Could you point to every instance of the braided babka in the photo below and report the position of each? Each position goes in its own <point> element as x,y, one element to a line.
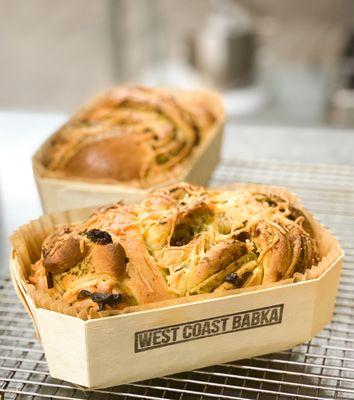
<point>133,135</point>
<point>179,241</point>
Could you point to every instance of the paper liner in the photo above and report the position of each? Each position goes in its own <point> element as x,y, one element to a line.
<point>27,242</point>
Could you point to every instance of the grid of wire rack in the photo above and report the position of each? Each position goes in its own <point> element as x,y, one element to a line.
<point>322,368</point>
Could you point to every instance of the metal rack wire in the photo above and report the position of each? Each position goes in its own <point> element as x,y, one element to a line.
<point>322,368</point>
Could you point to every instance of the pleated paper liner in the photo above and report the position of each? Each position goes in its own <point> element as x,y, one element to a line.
<point>59,194</point>
<point>28,239</point>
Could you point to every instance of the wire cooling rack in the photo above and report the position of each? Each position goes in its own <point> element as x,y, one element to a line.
<point>322,368</point>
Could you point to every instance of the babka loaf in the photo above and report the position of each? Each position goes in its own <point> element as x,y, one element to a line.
<point>180,241</point>
<point>132,135</point>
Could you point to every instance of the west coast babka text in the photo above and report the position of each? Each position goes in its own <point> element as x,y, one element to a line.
<point>173,334</point>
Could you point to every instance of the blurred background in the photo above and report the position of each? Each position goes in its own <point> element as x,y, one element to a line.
<point>276,61</point>
<point>284,68</point>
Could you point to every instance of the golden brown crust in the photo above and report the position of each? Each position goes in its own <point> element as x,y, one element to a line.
<point>62,252</point>
<point>133,135</point>
<point>217,258</point>
<point>121,158</point>
<point>146,282</point>
<point>180,241</point>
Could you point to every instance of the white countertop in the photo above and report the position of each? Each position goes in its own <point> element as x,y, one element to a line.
<point>21,134</point>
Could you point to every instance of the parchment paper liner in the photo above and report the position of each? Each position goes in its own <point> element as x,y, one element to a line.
<point>27,242</point>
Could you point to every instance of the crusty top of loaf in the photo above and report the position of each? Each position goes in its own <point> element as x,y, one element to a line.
<point>179,241</point>
<point>131,134</point>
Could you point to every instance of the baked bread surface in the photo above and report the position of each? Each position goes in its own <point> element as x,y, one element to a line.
<point>134,135</point>
<point>180,241</point>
